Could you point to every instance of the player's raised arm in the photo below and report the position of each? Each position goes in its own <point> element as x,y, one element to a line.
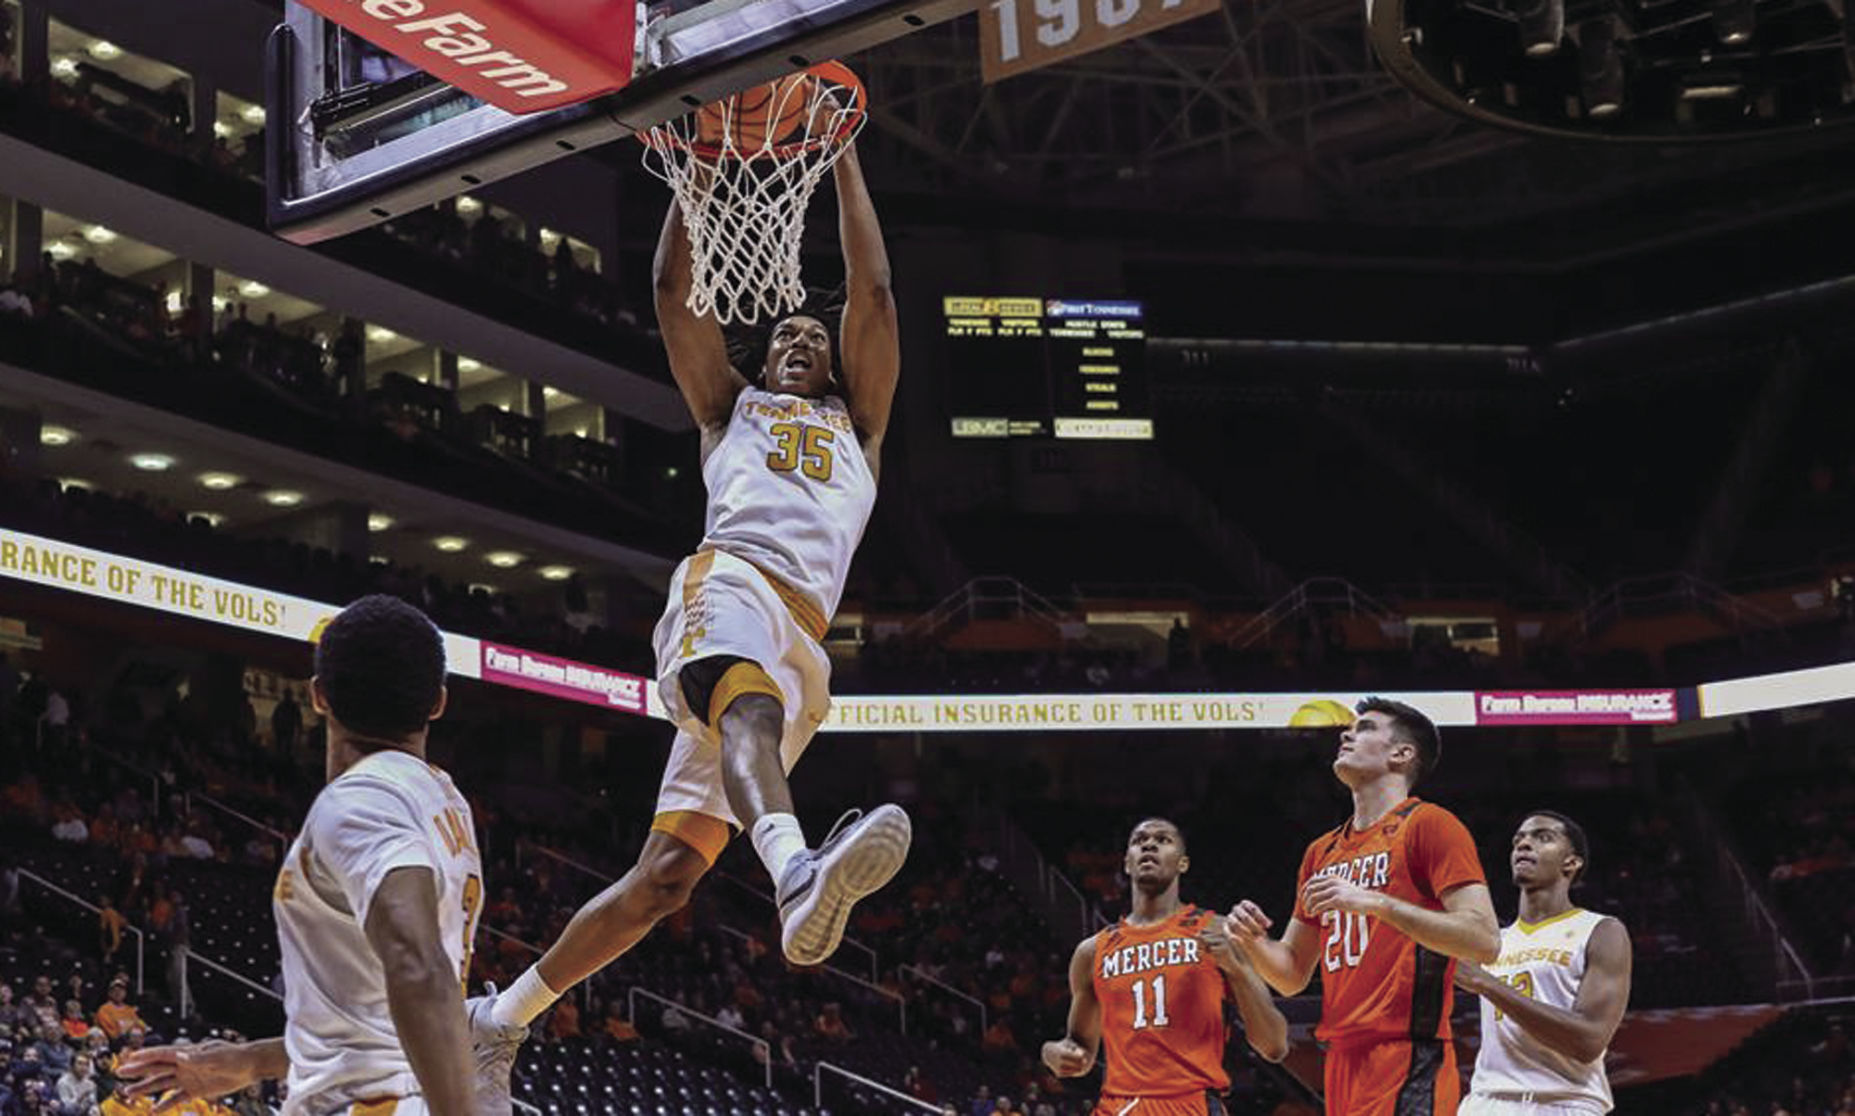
<point>423,989</point>
<point>870,339</point>
<point>698,353</point>
<point>1286,964</point>
<point>1264,1025</point>
<point>1582,1032</point>
<point>1074,1054</point>
<point>203,1071</point>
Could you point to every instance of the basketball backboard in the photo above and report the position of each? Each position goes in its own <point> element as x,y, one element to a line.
<point>358,136</point>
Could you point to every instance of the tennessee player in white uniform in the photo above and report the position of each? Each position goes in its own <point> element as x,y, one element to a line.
<point>376,902</point>
<point>790,464</point>
<point>1552,1001</point>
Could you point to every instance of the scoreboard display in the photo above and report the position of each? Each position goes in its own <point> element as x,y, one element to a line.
<point>1046,367</point>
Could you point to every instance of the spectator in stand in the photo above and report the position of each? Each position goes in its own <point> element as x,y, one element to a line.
<point>179,938</point>
<point>77,1089</point>
<point>110,925</point>
<point>117,1016</point>
<point>982,1102</point>
<point>1004,1107</point>
<point>617,1027</point>
<point>43,1004</point>
<point>74,1025</point>
<point>830,1024</point>
<point>565,1023</point>
<point>250,1102</point>
<point>54,1054</point>
<point>70,825</point>
<point>196,845</point>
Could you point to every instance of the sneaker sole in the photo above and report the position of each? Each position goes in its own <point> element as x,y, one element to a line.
<point>865,862</point>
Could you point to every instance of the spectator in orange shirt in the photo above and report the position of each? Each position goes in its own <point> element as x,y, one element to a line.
<point>109,928</point>
<point>565,1023</point>
<point>74,1024</point>
<point>117,1017</point>
<point>830,1024</point>
<point>617,1027</point>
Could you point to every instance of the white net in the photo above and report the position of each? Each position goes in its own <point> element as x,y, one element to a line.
<point>744,190</point>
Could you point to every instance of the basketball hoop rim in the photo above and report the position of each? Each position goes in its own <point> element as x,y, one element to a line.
<point>834,72</point>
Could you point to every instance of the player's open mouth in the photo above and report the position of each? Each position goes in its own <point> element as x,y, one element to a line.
<point>1525,858</point>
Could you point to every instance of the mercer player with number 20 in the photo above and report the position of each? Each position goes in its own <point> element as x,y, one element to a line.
<point>1387,903</point>
<point>1153,987</point>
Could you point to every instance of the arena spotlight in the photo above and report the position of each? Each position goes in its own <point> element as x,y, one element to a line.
<point>97,234</point>
<point>283,498</point>
<point>251,288</point>
<point>555,573</point>
<point>151,462</point>
<point>105,51</point>
<point>220,482</point>
<point>1600,68</point>
<point>381,335</point>
<point>1712,87</point>
<point>60,251</point>
<point>503,559</point>
<point>378,522</point>
<point>468,364</point>
<point>1734,21</point>
<point>75,482</point>
<point>221,130</point>
<point>65,67</point>
<point>1542,25</point>
<point>468,206</point>
<point>549,391</point>
<point>213,519</point>
<point>253,114</point>
<point>56,435</point>
<point>450,544</point>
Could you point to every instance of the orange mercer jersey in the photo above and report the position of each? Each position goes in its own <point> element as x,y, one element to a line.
<point>1376,983</point>
<point>1162,1008</point>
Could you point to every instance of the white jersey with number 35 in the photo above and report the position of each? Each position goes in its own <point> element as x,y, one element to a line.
<point>391,810</point>
<point>1546,962</point>
<point>790,491</point>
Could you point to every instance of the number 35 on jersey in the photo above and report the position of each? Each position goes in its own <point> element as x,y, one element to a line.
<point>1016,36</point>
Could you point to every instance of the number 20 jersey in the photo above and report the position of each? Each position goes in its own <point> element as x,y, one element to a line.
<point>1376,983</point>
<point>790,491</point>
<point>1162,1008</point>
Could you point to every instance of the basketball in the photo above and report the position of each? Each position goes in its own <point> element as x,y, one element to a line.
<point>758,117</point>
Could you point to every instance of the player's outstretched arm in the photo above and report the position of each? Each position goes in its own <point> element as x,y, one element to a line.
<point>1464,929</point>
<point>694,343</point>
<point>203,1072</point>
<point>1288,964</point>
<point>1074,1054</point>
<point>1263,1023</point>
<point>871,336</point>
<point>424,991</point>
<point>1583,1031</point>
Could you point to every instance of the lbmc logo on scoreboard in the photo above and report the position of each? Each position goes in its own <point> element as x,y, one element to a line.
<point>1016,36</point>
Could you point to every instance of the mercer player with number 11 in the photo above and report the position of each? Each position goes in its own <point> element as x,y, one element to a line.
<point>1388,902</point>
<point>1153,986</point>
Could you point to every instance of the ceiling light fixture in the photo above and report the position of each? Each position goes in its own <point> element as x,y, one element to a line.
<point>212,518</point>
<point>468,364</point>
<point>251,288</point>
<point>503,559</point>
<point>253,114</point>
<point>556,573</point>
<point>450,544</point>
<point>97,234</point>
<point>378,522</point>
<point>151,462</point>
<point>56,435</point>
<point>105,50</point>
<point>283,498</point>
<point>381,334</point>
<point>220,482</point>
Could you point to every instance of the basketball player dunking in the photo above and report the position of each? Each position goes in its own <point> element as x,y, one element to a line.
<point>1553,999</point>
<point>1153,987</point>
<point>376,904</point>
<point>790,462</point>
<point>1386,902</point>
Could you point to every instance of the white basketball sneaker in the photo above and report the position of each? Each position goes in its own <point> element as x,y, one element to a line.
<point>818,887</point>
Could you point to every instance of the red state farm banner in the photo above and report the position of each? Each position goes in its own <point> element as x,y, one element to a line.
<point>519,55</point>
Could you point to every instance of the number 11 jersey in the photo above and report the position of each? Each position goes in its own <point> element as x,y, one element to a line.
<point>1375,982</point>
<point>1162,1008</point>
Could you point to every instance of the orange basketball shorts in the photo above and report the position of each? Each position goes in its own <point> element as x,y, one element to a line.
<point>1396,1077</point>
